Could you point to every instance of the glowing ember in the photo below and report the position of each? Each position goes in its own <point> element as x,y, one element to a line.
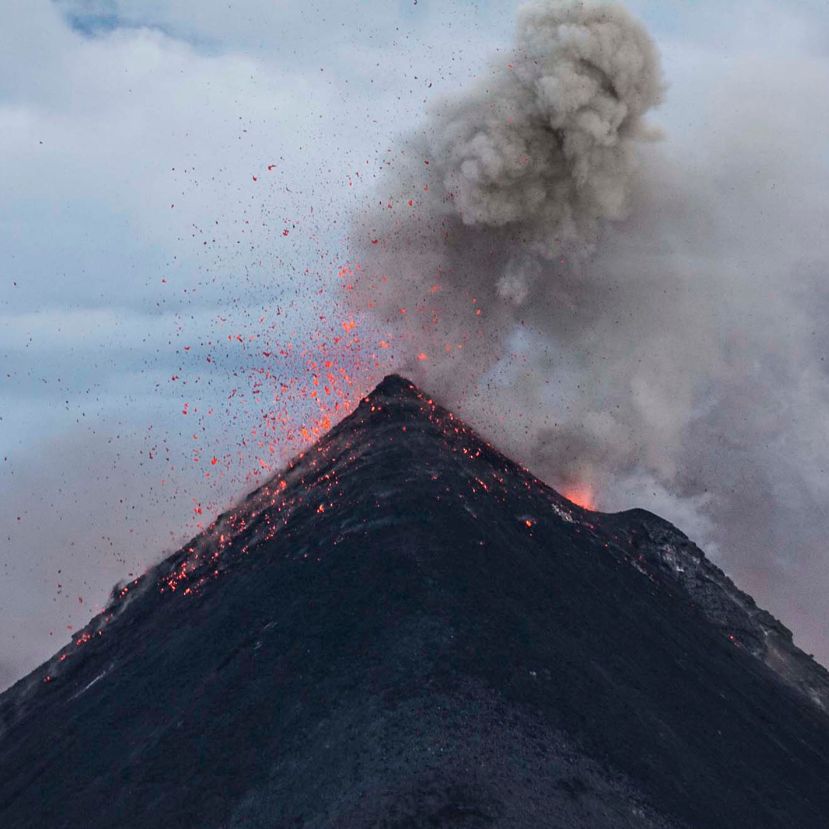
<point>581,495</point>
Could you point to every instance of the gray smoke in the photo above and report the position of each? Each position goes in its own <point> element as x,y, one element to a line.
<point>635,318</point>
<point>481,214</point>
<point>547,142</point>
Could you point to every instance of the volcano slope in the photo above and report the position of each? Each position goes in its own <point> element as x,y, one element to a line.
<point>405,629</point>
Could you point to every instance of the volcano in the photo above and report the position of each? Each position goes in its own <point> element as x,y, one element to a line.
<point>407,629</point>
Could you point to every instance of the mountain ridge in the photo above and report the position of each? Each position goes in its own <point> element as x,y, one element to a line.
<point>404,579</point>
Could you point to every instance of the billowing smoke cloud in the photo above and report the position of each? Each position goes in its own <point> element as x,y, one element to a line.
<point>491,219</point>
<point>634,319</point>
<point>546,143</point>
<point>485,218</point>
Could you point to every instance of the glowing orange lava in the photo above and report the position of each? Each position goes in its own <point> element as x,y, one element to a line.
<point>581,495</point>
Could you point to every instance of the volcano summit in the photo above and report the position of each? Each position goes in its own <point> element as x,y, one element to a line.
<point>406,629</point>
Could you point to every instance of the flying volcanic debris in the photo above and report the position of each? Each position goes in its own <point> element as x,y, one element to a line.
<point>612,309</point>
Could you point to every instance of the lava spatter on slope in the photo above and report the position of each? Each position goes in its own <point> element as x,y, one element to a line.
<point>404,627</point>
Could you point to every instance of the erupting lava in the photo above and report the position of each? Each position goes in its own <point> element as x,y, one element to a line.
<point>581,495</point>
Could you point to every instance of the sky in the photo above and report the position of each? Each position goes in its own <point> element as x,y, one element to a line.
<point>178,182</point>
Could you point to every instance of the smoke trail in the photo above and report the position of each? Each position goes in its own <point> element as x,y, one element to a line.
<point>639,319</point>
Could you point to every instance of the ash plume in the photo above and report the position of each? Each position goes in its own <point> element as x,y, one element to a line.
<point>510,177</point>
<point>488,219</point>
<point>625,316</point>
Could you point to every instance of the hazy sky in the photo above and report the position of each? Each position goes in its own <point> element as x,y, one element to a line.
<point>177,180</point>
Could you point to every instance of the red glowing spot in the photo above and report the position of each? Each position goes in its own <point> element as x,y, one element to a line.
<point>581,495</point>
<point>214,460</point>
<point>285,232</point>
<point>349,326</point>
<point>374,241</point>
<point>422,356</point>
<point>384,344</point>
<point>529,522</point>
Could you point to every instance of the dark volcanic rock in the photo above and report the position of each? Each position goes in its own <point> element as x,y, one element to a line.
<point>408,630</point>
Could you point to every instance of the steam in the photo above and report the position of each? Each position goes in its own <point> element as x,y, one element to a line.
<point>637,317</point>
